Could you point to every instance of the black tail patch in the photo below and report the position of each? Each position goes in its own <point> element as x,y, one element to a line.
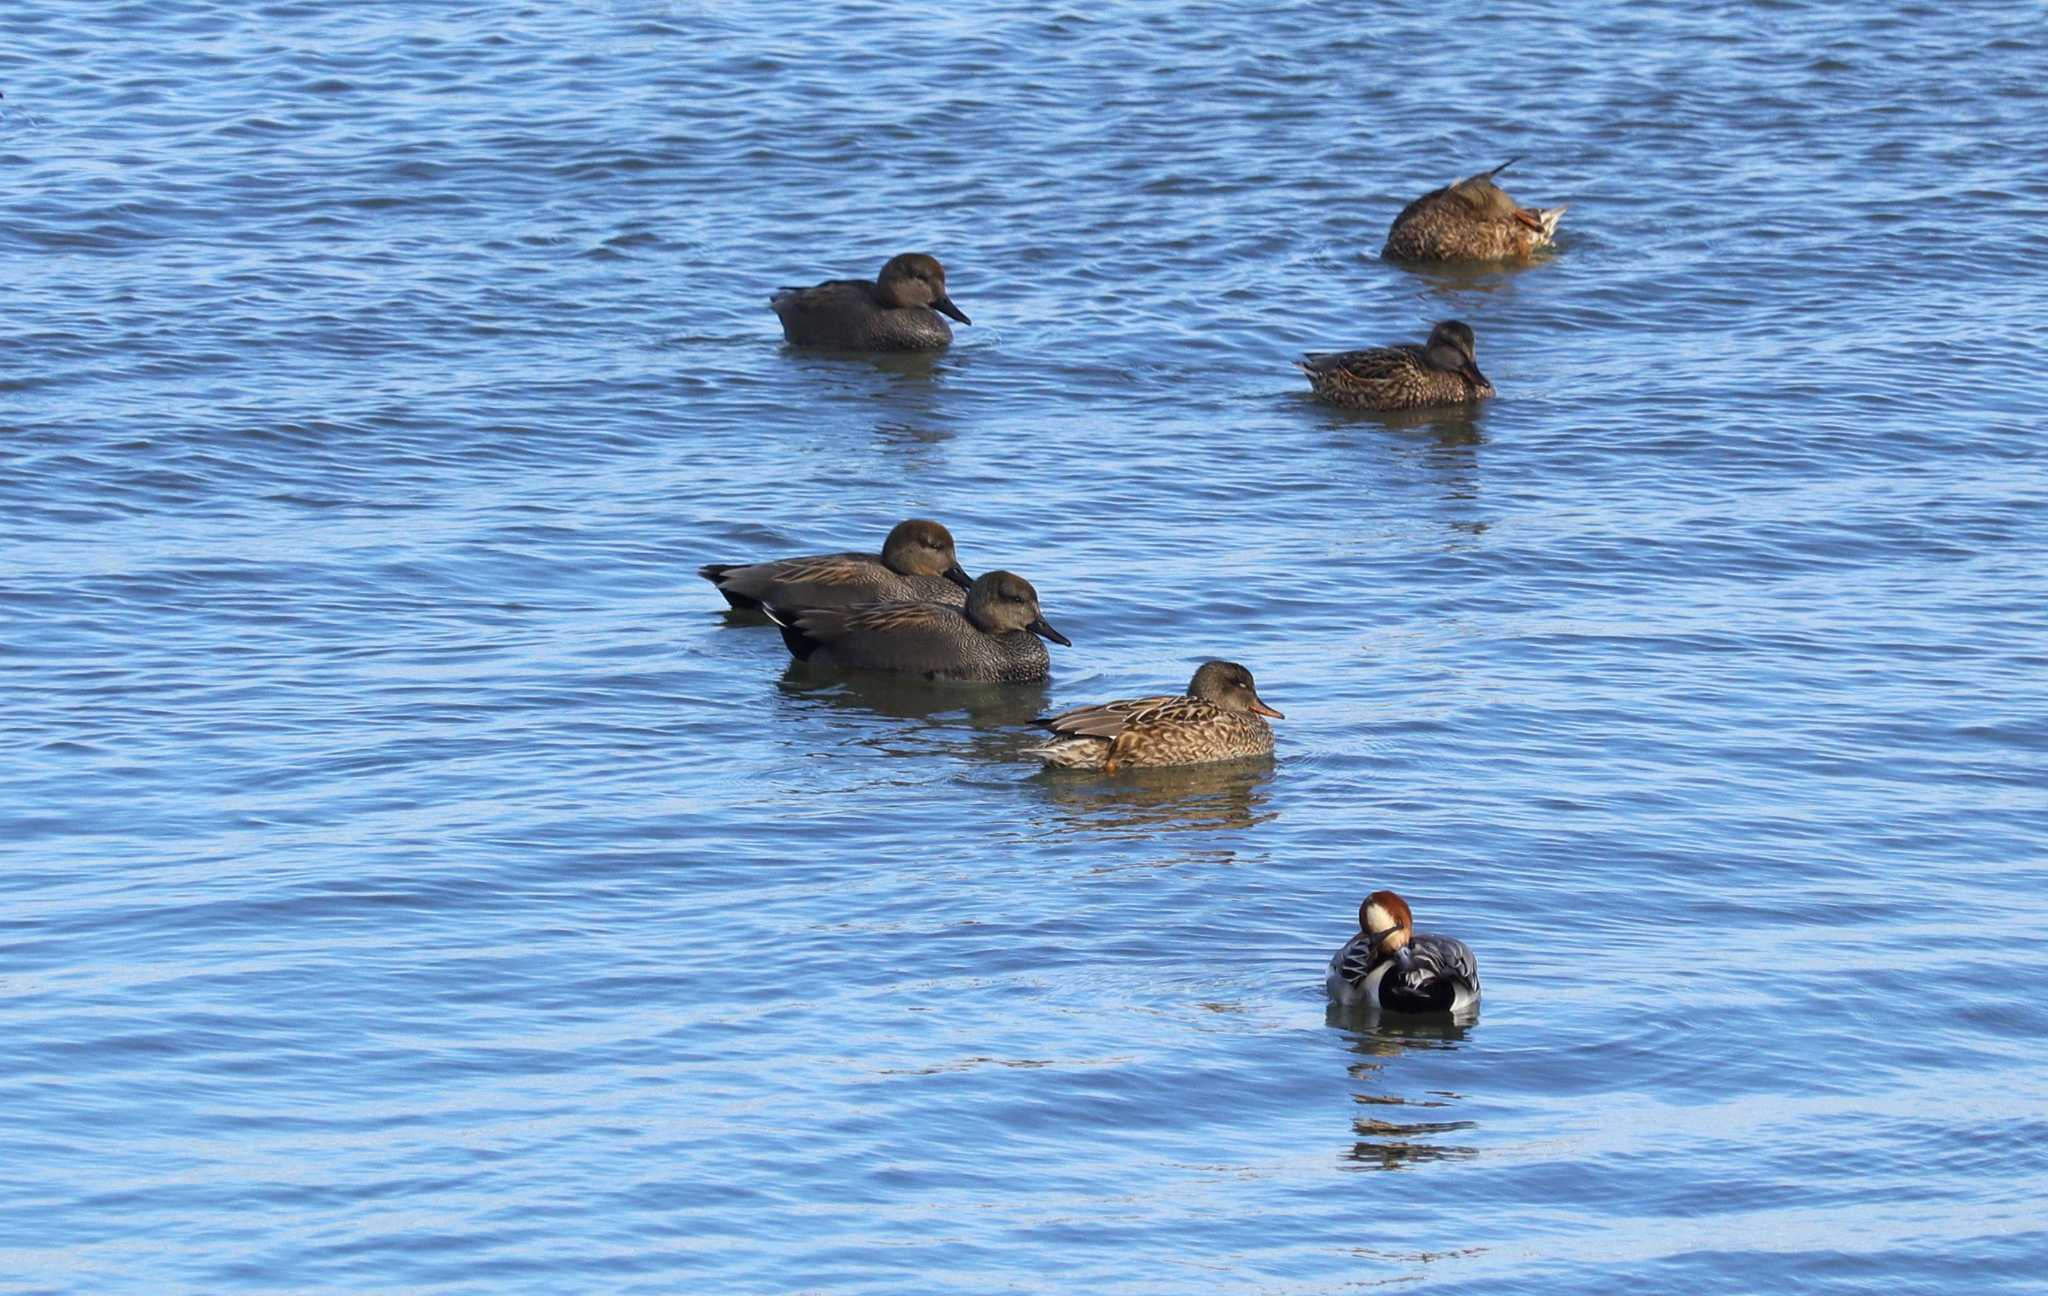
<point>801,645</point>
<point>715,573</point>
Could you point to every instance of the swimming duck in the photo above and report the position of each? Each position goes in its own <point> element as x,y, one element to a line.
<point>1442,371</point>
<point>1389,965</point>
<point>899,311</point>
<point>1472,220</point>
<point>994,639</point>
<point>916,563</point>
<point>1217,719</point>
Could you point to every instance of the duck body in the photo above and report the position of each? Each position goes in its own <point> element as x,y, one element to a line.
<point>917,564</point>
<point>1471,220</point>
<point>1442,371</point>
<point>1438,975</point>
<point>1390,967</point>
<point>1386,378</point>
<point>1219,718</point>
<point>902,310</point>
<point>994,639</point>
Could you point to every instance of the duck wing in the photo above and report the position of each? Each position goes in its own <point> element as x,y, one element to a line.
<point>784,580</point>
<point>821,295</point>
<point>1110,719</point>
<point>900,636</point>
<point>1428,973</point>
<point>1351,963</point>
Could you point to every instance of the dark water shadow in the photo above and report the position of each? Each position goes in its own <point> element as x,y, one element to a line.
<point>1393,1131</point>
<point>1473,278</point>
<point>1448,426</point>
<point>881,693</point>
<point>917,366</point>
<point>1142,802</point>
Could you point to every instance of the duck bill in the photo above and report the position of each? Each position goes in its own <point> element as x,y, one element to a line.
<point>945,306</point>
<point>1044,630</point>
<point>1260,708</point>
<point>958,575</point>
<point>1472,375</point>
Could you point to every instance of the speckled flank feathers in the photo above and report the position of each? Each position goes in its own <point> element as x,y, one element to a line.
<point>1217,719</point>
<point>1471,220</point>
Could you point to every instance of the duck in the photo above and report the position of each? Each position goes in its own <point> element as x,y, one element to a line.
<point>1392,967</point>
<point>899,311</point>
<point>1442,371</point>
<point>1472,220</point>
<point>917,564</point>
<point>994,639</point>
<point>1217,719</point>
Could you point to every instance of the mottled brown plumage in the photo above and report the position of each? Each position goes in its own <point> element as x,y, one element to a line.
<point>1471,220</point>
<point>916,563</point>
<point>1217,719</point>
<point>993,639</point>
<point>1442,371</point>
<point>899,311</point>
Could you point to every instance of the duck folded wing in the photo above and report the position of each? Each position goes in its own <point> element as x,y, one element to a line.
<point>913,637</point>
<point>1110,719</point>
<point>764,581</point>
<point>1354,961</point>
<point>1434,957</point>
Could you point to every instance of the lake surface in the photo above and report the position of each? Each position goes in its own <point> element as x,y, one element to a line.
<point>412,880</point>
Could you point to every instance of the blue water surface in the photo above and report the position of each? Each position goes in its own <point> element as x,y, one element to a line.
<point>412,880</point>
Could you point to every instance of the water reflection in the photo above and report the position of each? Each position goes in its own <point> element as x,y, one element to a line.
<point>985,706</point>
<point>1142,802</point>
<point>1387,1135</point>
<point>825,362</point>
<point>1446,425</point>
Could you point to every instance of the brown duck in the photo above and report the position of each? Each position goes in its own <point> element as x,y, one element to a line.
<point>916,563</point>
<point>899,311</point>
<point>1217,719</point>
<point>1442,371</point>
<point>993,640</point>
<point>1472,220</point>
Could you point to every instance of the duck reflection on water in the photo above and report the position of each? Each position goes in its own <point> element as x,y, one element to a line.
<point>1387,1134</point>
<point>899,697</point>
<point>1140,802</point>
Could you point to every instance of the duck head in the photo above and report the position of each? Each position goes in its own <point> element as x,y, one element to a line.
<point>921,547</point>
<point>915,279</point>
<point>1001,602</point>
<point>1385,920</point>
<point>1229,686</point>
<point>1451,349</point>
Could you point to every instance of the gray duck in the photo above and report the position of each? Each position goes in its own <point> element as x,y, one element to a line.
<point>898,311</point>
<point>994,639</point>
<point>916,563</point>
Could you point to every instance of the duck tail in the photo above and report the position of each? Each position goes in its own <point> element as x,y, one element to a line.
<point>718,574</point>
<point>1070,753</point>
<point>801,644</point>
<point>1503,166</point>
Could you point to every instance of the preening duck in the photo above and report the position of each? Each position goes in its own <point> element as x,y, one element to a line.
<point>1471,220</point>
<point>1392,967</point>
